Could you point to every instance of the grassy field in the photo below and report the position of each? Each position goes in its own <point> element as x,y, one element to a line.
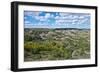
<point>56,44</point>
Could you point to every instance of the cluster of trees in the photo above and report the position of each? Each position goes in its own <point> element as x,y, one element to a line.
<point>46,50</point>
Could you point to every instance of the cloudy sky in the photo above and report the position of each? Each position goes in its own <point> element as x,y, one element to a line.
<point>41,19</point>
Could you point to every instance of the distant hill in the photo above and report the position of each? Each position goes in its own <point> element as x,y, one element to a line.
<point>57,29</point>
<point>72,29</point>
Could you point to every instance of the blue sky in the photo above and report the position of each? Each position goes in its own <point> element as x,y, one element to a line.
<point>41,19</point>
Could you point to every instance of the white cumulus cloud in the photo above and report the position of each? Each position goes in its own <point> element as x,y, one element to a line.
<point>27,22</point>
<point>47,15</point>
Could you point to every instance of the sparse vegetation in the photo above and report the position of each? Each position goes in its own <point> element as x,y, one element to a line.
<point>56,44</point>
